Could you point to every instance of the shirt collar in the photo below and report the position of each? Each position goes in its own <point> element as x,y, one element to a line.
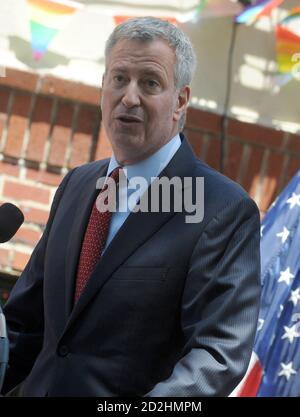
<point>151,166</point>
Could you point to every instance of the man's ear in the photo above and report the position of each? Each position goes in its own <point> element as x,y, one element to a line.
<point>182,102</point>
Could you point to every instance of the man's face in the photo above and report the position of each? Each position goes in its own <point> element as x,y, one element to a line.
<point>140,104</point>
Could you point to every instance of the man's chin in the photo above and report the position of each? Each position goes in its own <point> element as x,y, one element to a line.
<point>127,143</point>
<point>126,140</point>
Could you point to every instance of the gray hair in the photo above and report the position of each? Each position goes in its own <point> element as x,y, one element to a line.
<point>151,28</point>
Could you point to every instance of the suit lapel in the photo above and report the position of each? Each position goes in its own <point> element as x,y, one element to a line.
<point>136,230</point>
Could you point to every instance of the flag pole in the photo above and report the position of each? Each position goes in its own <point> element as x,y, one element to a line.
<point>224,119</point>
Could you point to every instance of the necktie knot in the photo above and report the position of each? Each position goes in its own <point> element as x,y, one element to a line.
<point>115,174</point>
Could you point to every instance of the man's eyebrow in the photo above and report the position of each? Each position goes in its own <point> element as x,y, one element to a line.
<point>143,72</point>
<point>152,72</point>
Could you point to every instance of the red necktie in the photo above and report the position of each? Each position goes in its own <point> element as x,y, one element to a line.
<point>94,240</point>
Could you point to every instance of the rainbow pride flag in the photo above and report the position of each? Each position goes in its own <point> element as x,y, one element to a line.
<point>118,19</point>
<point>47,18</point>
<point>175,20</point>
<point>253,12</point>
<point>288,41</point>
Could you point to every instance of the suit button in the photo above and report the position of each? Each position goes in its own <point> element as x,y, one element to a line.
<point>63,350</point>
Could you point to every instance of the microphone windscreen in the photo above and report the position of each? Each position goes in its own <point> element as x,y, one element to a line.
<point>11,219</point>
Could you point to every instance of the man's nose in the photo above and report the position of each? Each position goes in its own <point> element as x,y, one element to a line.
<point>131,96</point>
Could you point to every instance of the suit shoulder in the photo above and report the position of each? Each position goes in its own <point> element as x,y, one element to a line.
<point>219,187</point>
<point>89,169</point>
<point>93,166</point>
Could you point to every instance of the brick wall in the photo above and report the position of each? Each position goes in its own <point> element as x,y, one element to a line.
<point>261,159</point>
<point>48,126</point>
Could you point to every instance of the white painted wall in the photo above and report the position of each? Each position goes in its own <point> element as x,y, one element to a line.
<point>77,53</point>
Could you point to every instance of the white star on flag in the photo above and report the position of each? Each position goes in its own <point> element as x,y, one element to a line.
<point>280,311</point>
<point>286,276</point>
<point>260,324</point>
<point>294,200</point>
<point>274,202</point>
<point>290,333</point>
<point>295,296</point>
<point>286,370</point>
<point>284,234</point>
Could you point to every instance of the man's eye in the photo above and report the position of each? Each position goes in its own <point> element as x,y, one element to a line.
<point>118,79</point>
<point>152,84</point>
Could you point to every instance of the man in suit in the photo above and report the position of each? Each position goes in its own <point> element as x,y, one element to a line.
<point>139,303</point>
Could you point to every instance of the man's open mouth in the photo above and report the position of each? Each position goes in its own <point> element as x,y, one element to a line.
<point>129,119</point>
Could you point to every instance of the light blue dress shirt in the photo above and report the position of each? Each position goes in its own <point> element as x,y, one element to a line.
<point>148,169</point>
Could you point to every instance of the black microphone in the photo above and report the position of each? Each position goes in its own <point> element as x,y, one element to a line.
<point>4,348</point>
<point>11,219</point>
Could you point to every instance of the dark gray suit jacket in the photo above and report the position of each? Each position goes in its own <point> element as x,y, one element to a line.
<point>170,309</point>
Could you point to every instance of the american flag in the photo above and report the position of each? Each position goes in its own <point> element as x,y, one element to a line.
<point>274,370</point>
